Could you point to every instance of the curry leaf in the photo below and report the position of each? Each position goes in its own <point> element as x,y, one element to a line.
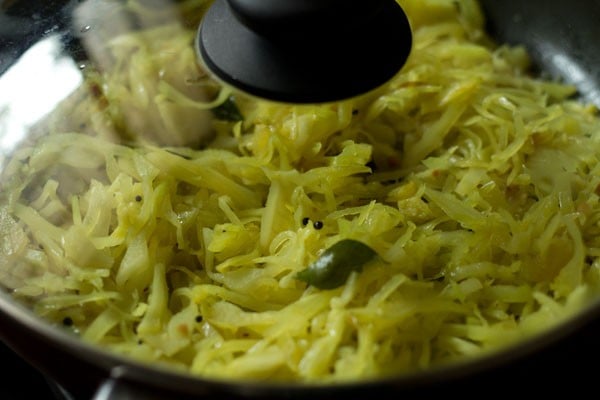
<point>335,265</point>
<point>228,111</point>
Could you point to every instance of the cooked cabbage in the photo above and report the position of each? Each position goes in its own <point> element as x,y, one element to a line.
<point>476,184</point>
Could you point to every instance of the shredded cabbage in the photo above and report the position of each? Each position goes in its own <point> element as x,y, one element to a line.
<point>476,183</point>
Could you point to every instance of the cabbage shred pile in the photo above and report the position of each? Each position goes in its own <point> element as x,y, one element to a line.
<point>475,183</point>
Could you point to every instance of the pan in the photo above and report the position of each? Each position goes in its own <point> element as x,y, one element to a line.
<point>558,36</point>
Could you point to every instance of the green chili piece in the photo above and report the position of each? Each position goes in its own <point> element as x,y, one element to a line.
<point>333,267</point>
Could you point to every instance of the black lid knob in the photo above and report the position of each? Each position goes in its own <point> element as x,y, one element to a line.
<point>304,51</point>
<point>304,18</point>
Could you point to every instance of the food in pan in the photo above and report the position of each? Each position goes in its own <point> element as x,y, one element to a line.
<point>441,217</point>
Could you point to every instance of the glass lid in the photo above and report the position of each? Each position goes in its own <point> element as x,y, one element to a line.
<point>153,212</point>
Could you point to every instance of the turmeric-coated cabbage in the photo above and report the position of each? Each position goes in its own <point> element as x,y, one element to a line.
<point>169,219</point>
